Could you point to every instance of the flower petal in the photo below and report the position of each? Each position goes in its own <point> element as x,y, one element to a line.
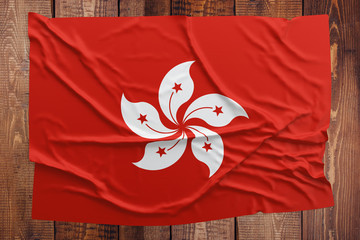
<point>143,119</point>
<point>175,89</point>
<point>207,147</point>
<point>162,154</point>
<point>215,109</point>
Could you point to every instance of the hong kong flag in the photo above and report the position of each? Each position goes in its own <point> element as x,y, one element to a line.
<point>171,120</point>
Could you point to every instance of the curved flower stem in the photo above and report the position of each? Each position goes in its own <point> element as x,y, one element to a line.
<point>195,111</point>
<point>170,108</point>
<point>160,131</point>
<point>207,139</point>
<point>177,142</point>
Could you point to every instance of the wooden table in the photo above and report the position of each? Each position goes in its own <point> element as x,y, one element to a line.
<point>342,163</point>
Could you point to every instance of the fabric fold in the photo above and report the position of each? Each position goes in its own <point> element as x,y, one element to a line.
<point>172,120</point>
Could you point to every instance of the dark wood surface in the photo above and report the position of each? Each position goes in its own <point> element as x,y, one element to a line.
<point>342,165</point>
<point>342,157</point>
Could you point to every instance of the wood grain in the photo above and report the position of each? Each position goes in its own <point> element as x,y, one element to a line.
<point>16,179</point>
<point>275,225</point>
<point>219,229</point>
<point>203,7</point>
<point>270,226</point>
<point>146,233</point>
<point>341,165</point>
<point>80,8</point>
<point>83,8</point>
<point>274,8</point>
<point>342,154</point>
<point>157,7</point>
<point>70,231</point>
<point>133,8</point>
<point>225,228</point>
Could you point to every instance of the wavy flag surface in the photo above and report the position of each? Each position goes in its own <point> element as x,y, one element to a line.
<point>172,120</point>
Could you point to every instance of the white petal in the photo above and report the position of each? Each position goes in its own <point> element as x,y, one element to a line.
<point>152,128</point>
<point>162,154</point>
<point>205,108</point>
<point>171,99</point>
<point>205,138</point>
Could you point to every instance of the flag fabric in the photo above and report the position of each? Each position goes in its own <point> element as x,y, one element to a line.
<point>175,119</point>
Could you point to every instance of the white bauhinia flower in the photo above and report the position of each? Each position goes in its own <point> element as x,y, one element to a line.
<point>175,89</point>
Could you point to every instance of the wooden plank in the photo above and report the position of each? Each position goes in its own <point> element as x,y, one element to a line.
<point>203,8</point>
<point>16,179</point>
<point>132,8</point>
<point>274,8</point>
<point>269,226</point>
<point>225,228</point>
<point>219,229</point>
<point>67,230</point>
<point>157,7</point>
<point>82,8</point>
<point>276,225</point>
<point>146,233</point>
<point>342,155</point>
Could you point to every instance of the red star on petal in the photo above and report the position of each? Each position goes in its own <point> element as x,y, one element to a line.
<point>161,151</point>
<point>177,87</point>
<point>218,110</point>
<point>207,146</point>
<point>142,118</point>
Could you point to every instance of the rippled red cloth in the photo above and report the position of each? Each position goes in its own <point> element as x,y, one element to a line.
<point>172,120</point>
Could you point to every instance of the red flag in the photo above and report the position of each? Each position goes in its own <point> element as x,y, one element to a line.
<point>171,120</point>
